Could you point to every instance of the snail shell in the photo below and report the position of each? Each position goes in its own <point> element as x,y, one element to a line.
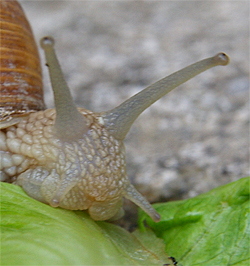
<point>21,78</point>
<point>71,157</point>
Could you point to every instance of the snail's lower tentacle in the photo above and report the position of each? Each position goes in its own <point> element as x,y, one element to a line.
<point>132,194</point>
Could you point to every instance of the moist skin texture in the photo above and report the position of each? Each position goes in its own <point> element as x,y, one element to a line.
<point>84,174</point>
<point>74,158</point>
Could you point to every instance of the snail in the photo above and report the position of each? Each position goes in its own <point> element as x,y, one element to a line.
<point>71,157</point>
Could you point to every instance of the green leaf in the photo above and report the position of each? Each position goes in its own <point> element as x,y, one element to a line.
<point>210,229</point>
<point>33,233</point>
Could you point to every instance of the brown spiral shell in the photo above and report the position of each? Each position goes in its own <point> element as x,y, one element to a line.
<point>20,79</point>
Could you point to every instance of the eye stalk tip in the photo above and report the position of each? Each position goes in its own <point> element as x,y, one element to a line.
<point>157,217</point>
<point>221,59</point>
<point>47,42</point>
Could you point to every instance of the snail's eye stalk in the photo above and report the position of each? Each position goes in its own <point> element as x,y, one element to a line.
<point>120,119</point>
<point>69,124</point>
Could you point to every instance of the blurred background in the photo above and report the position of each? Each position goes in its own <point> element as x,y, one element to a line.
<point>195,138</point>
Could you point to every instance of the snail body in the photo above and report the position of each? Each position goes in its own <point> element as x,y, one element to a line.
<point>74,158</point>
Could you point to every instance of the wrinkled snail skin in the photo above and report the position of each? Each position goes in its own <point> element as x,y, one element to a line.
<point>75,159</point>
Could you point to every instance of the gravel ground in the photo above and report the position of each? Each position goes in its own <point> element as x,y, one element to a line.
<point>190,141</point>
